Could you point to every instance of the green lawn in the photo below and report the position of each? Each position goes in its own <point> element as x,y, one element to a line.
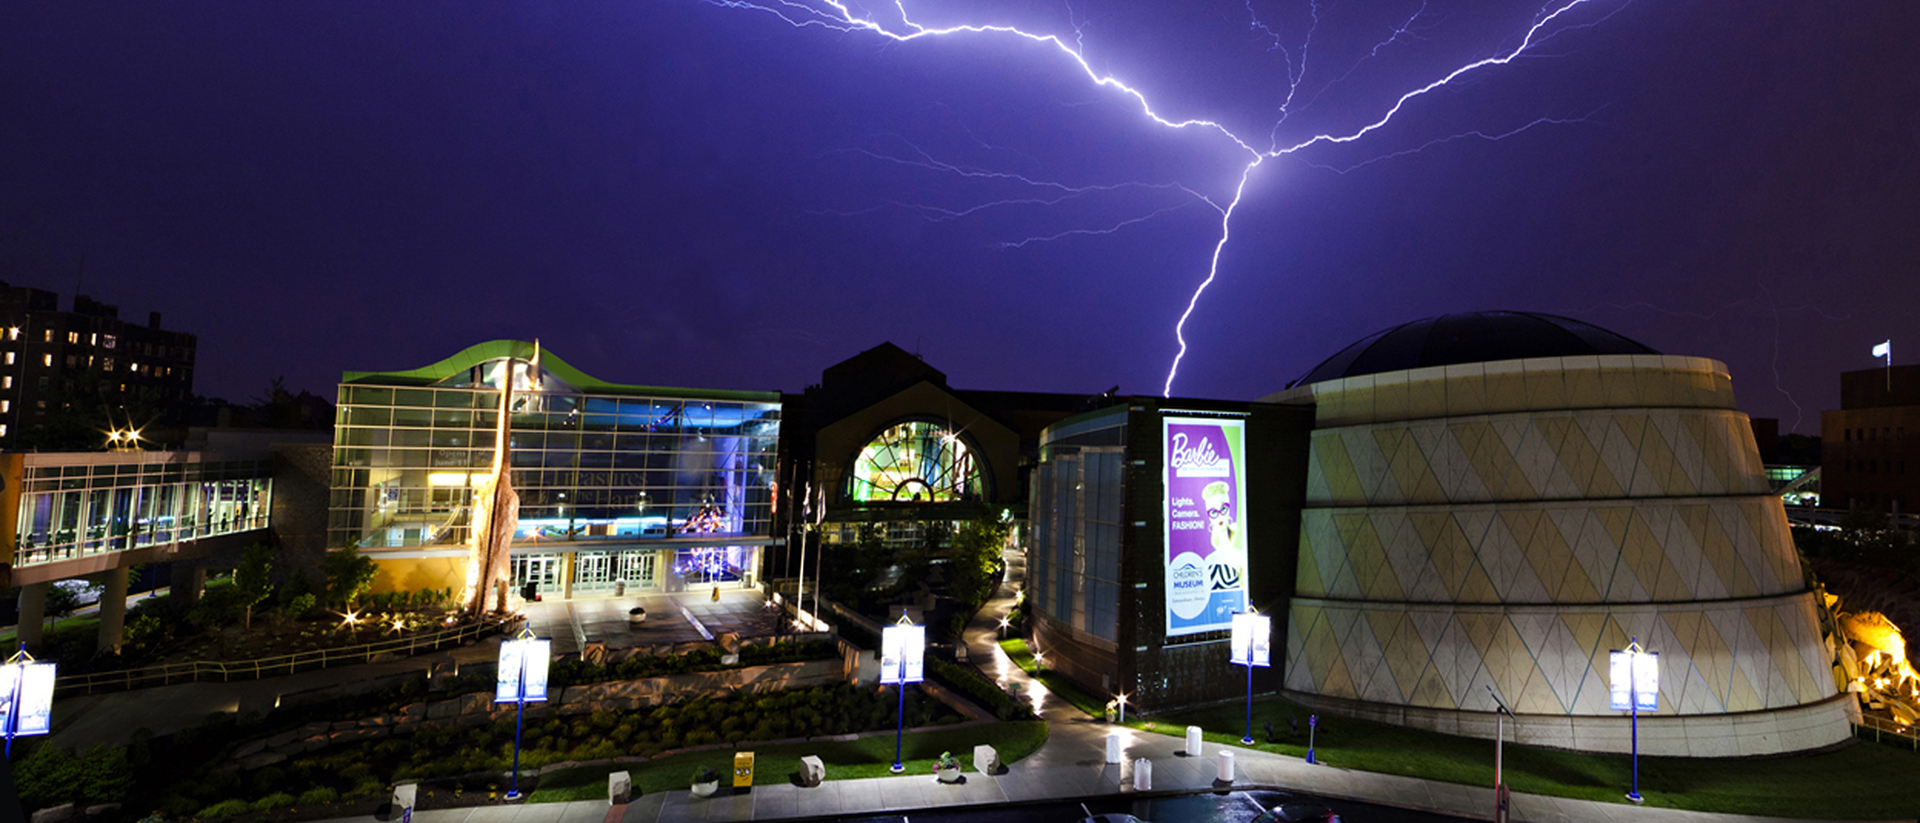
<point>773,765</point>
<point>1863,781</point>
<point>1055,682</point>
<point>10,639</point>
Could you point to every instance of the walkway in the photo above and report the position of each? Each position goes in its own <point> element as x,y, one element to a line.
<point>1071,764</point>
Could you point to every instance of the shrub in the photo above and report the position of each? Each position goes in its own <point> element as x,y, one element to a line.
<point>318,796</point>
<point>225,809</point>
<point>277,800</point>
<point>368,786</point>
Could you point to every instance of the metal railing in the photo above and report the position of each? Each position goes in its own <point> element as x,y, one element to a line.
<point>1887,727</point>
<point>223,671</point>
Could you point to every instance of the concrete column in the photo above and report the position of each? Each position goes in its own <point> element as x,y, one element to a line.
<point>566,576</point>
<point>113,610</point>
<point>187,582</point>
<point>33,613</point>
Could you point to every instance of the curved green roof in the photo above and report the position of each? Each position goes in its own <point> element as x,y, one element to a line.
<point>480,353</point>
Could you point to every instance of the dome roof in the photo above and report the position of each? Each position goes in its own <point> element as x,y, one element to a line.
<point>1472,337</point>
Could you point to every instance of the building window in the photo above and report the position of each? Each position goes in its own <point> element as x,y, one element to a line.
<point>73,337</point>
<point>107,364</point>
<point>13,333</point>
<point>109,340</point>
<point>6,406</point>
<point>47,336</point>
<point>46,360</point>
<point>920,462</point>
<point>9,358</point>
<point>70,361</point>
<point>3,430</point>
<point>6,382</point>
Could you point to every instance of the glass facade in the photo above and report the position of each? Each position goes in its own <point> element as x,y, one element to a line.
<point>917,461</point>
<point>616,479</point>
<point>1074,569</point>
<point>78,505</point>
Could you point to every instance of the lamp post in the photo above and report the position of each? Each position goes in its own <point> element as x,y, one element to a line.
<point>522,678</point>
<point>1251,646</point>
<point>1313,722</point>
<point>1122,699</point>
<point>903,648</point>
<point>1635,685</point>
<point>1500,714</point>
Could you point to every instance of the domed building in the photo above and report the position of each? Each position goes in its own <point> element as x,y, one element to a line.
<point>1495,501</point>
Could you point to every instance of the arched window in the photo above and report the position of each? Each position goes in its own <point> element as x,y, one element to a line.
<point>916,461</point>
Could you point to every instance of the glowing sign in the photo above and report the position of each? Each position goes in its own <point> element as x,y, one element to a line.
<point>1638,670</point>
<point>903,649</point>
<point>1252,643</point>
<point>1206,541</point>
<point>26,698</point>
<point>522,662</point>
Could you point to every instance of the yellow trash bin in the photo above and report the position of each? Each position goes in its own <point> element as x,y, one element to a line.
<point>743,770</point>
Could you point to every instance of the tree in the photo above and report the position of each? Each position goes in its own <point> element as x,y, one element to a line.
<point>61,600</point>
<point>253,579</point>
<point>349,574</point>
<point>977,547</point>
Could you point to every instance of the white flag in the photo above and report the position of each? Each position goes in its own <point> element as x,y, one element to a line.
<point>1884,350</point>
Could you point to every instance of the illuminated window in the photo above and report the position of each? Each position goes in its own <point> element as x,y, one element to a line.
<point>9,358</point>
<point>93,339</point>
<point>46,360</point>
<point>3,430</point>
<point>6,406</point>
<point>73,337</point>
<point>6,382</point>
<point>13,333</point>
<point>47,336</point>
<point>915,462</point>
<point>109,341</point>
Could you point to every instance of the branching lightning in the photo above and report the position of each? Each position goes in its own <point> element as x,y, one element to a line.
<point>837,16</point>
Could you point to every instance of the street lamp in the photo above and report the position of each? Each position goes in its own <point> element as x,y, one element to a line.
<point>1251,646</point>
<point>1121,698</point>
<point>1003,628</point>
<point>903,647</point>
<point>1501,712</point>
<point>1634,677</point>
<point>522,678</point>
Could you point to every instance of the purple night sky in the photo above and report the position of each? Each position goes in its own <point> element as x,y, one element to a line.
<point>675,192</point>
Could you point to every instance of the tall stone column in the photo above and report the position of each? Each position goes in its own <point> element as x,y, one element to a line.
<point>33,613</point>
<point>566,576</point>
<point>113,610</point>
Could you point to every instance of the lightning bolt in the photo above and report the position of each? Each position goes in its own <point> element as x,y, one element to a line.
<point>837,16</point>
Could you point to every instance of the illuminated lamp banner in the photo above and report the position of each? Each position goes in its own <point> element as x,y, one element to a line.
<point>1252,643</point>
<point>32,684</point>
<point>1206,538</point>
<point>522,660</point>
<point>1644,680</point>
<point>903,652</point>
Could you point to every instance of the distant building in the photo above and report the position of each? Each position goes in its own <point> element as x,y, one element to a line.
<point>1870,446</point>
<point>620,486</point>
<point>883,441</point>
<point>87,363</point>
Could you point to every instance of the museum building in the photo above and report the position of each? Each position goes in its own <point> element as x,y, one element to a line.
<point>620,487</point>
<point>1448,510</point>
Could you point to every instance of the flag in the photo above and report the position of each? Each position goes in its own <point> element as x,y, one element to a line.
<point>1884,350</point>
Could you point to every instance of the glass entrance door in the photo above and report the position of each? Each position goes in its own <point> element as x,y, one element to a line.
<point>592,571</point>
<point>543,570</point>
<point>637,568</point>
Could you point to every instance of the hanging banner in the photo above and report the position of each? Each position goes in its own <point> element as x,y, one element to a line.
<point>1205,484</point>
<point>1252,640</point>
<point>903,644</point>
<point>1637,671</point>
<point>26,698</point>
<point>522,659</point>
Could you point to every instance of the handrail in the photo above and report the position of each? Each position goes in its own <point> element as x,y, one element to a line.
<point>196,670</point>
<point>1892,728</point>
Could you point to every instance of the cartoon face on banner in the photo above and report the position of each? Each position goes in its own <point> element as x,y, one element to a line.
<point>1205,537</point>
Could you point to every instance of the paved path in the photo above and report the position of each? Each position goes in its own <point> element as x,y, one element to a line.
<point>1072,763</point>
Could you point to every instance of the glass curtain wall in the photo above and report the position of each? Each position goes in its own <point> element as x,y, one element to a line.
<point>69,511</point>
<point>587,467</point>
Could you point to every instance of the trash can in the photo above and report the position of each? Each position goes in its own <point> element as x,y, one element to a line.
<point>1226,766</point>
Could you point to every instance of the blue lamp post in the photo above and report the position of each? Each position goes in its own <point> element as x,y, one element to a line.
<point>903,648</point>
<point>522,678</point>
<point>1635,686</point>
<point>1251,646</point>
